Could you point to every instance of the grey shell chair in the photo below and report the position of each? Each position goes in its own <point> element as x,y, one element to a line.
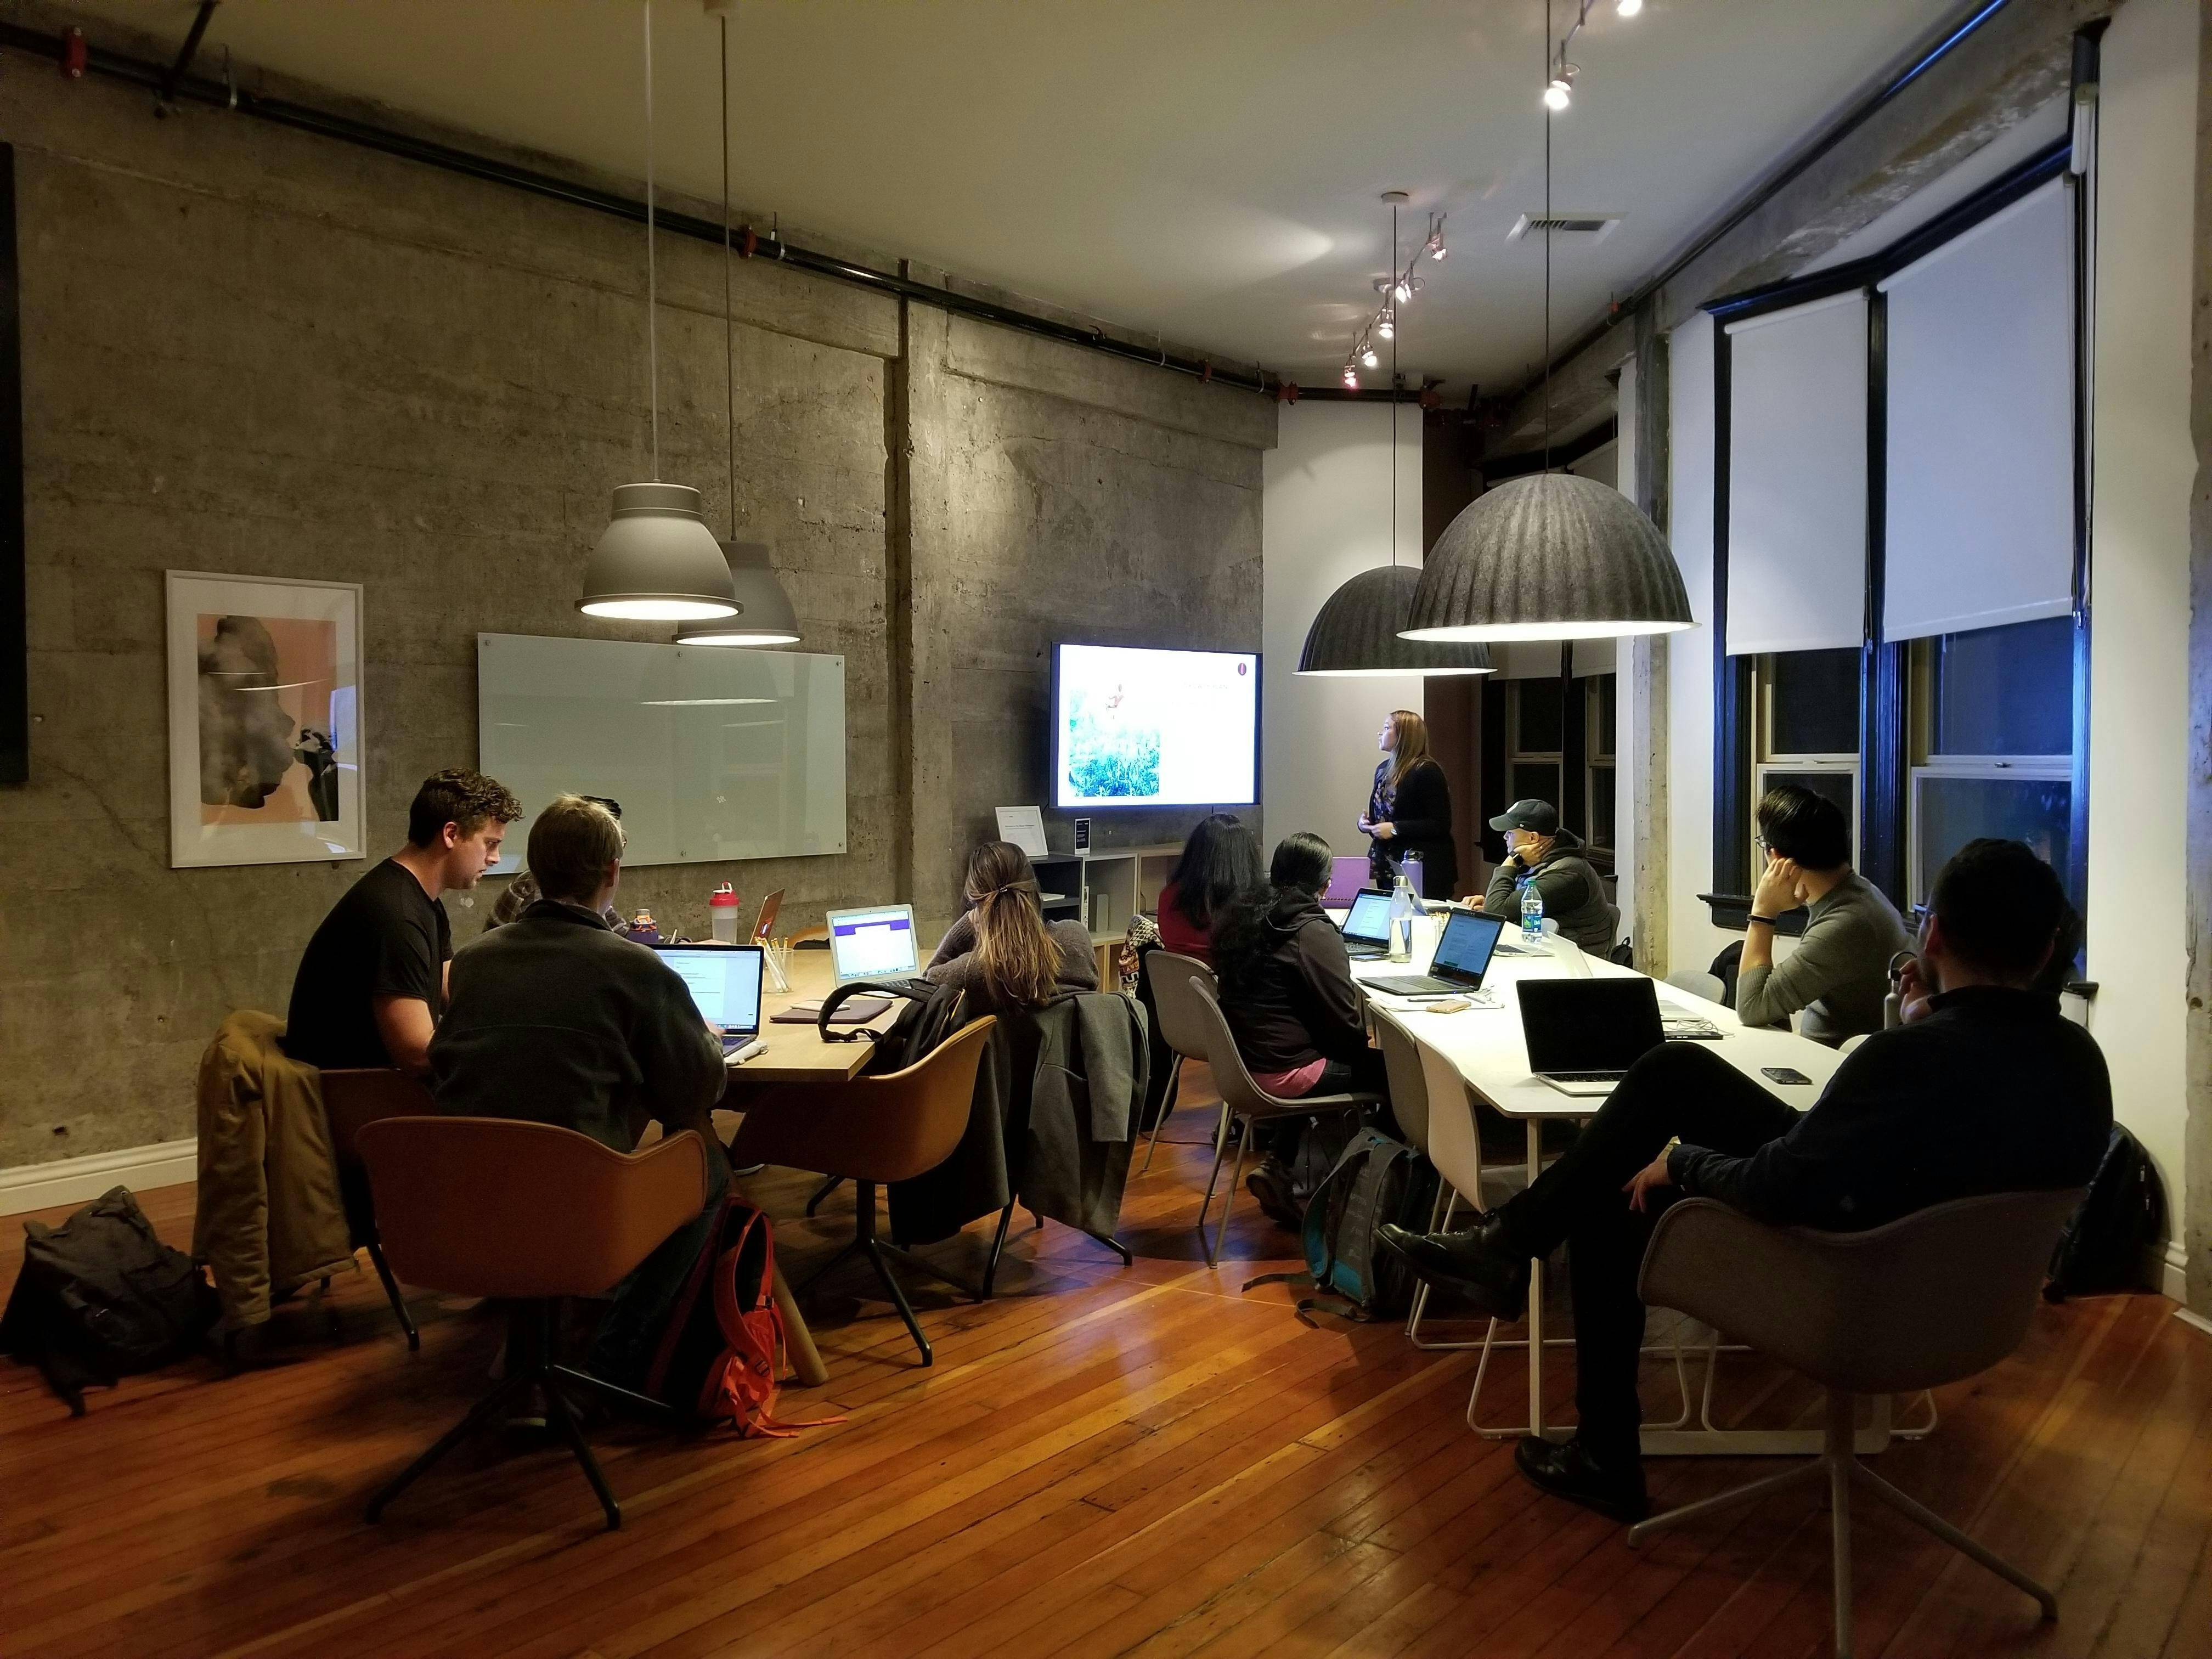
<point>1241,1098</point>
<point>1182,1027</point>
<point>1932,1298</point>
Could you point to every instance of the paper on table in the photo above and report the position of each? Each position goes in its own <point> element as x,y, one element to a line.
<point>1025,827</point>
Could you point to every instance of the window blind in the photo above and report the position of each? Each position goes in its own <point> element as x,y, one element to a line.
<point>1979,529</point>
<point>1797,478</point>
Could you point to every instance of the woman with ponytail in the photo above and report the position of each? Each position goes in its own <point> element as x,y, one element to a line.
<point>1003,952</point>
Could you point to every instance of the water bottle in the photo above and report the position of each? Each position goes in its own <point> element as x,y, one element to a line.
<point>1532,911</point>
<point>1410,867</point>
<point>643,929</point>
<point>722,910</point>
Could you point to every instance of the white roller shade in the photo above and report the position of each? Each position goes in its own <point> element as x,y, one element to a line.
<point>1527,659</point>
<point>1595,657</point>
<point>1980,523</point>
<point>1797,478</point>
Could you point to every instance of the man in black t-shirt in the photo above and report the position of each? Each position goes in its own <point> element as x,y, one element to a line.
<point>371,987</point>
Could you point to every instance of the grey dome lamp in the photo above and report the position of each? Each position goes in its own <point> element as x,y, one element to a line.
<point>1355,634</point>
<point>1550,556</point>
<point>764,614</point>
<point>656,561</point>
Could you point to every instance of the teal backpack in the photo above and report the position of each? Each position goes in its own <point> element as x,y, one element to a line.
<point>1376,1179</point>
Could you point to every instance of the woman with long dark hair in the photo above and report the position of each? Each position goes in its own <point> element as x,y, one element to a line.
<point>1409,809</point>
<point>1003,952</point>
<point>1220,863</point>
<point>1287,992</point>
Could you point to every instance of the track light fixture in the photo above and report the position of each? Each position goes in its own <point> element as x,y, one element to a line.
<point>1630,8</point>
<point>1559,87</point>
<point>1561,92</point>
<point>1386,325</point>
<point>1434,248</point>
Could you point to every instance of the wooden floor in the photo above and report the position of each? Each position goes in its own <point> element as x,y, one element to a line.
<point>1103,1460</point>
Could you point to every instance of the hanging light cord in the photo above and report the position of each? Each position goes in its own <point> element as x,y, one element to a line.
<point>729,329</point>
<point>1547,232</point>
<point>652,273</point>
<point>1394,397</point>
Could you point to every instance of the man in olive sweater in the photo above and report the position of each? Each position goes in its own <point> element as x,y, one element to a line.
<point>1550,858</point>
<point>1985,1087</point>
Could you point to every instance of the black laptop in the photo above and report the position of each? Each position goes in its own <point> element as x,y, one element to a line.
<point>1367,926</point>
<point>1463,957</point>
<point>1584,1034</point>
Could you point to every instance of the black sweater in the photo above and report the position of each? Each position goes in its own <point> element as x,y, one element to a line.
<point>1286,987</point>
<point>1421,814</point>
<point>1993,1091</point>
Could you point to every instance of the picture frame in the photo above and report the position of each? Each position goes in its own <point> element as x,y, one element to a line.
<point>267,731</point>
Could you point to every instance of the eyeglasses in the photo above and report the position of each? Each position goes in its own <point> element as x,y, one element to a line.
<point>1759,841</point>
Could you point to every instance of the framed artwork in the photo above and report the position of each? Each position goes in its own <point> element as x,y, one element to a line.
<point>266,748</point>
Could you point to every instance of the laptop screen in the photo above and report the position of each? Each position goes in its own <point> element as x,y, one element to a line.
<point>1370,920</point>
<point>1464,949</point>
<point>1589,1024</point>
<point>876,943</point>
<point>724,981</point>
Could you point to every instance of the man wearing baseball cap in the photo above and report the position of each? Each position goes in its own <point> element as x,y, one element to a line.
<point>1539,851</point>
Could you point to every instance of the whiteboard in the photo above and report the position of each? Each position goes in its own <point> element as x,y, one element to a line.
<point>714,752</point>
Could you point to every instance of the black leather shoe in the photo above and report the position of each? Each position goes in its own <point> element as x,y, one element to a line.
<point>1271,1184</point>
<point>1568,1471</point>
<point>1478,1262</point>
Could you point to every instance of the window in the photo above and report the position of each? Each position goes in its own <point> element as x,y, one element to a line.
<point>1600,710</point>
<point>1536,728</point>
<point>1808,731</point>
<point>1993,743</point>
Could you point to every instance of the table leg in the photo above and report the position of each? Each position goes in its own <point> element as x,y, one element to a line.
<point>806,1358</point>
<point>1536,1294</point>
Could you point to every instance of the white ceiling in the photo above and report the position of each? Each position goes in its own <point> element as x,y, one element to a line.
<point>1206,169</point>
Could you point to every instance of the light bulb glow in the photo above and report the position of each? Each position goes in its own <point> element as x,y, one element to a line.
<point>1352,380</point>
<point>1556,95</point>
<point>1402,293</point>
<point>1387,326</point>
<point>1438,250</point>
<point>1368,359</point>
<point>1630,8</point>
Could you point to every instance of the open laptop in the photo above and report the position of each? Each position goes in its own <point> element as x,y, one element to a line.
<point>1463,957</point>
<point>1345,878</point>
<point>764,924</point>
<point>1584,1034</point>
<point>878,943</point>
<point>724,981</point>
<point>1367,927</point>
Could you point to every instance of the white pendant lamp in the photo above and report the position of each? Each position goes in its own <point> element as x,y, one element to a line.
<point>1549,556</point>
<point>1357,631</point>
<point>764,614</point>
<point>656,561</point>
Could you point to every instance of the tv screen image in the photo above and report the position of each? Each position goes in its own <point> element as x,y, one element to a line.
<point>1139,727</point>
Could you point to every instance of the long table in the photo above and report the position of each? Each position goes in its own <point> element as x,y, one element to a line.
<point>1486,1046</point>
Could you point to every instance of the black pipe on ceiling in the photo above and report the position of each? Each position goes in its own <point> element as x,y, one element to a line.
<point>366,135</point>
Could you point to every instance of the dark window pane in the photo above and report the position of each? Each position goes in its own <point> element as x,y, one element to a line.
<point>1602,806</point>
<point>1956,810</point>
<point>1608,716</point>
<point>2006,690</point>
<point>1543,727</point>
<point>1815,703</point>
<point>1838,786</point>
<point>1536,780</point>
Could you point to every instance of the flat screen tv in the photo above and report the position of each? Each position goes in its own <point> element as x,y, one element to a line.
<point>1136,728</point>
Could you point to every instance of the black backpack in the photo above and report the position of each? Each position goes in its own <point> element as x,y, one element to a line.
<point>930,1014</point>
<point>2102,1248</point>
<point>101,1296</point>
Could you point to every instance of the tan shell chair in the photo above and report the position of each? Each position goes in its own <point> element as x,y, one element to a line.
<point>1933,1298</point>
<point>1242,1098</point>
<point>352,1099</point>
<point>871,1130</point>
<point>1182,1025</point>
<point>526,1211</point>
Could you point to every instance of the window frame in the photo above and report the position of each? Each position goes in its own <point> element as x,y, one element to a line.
<point>1590,693</point>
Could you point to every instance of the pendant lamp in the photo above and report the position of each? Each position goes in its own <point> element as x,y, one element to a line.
<point>764,614</point>
<point>656,561</point>
<point>1357,632</point>
<point>1551,556</point>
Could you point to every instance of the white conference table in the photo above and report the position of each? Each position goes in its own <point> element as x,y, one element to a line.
<point>1485,1044</point>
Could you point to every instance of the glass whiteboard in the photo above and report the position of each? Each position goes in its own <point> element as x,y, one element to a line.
<point>715,751</point>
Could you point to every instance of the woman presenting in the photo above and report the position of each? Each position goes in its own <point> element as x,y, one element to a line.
<point>1409,809</point>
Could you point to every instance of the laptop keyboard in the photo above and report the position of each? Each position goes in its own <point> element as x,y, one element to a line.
<point>1587,1077</point>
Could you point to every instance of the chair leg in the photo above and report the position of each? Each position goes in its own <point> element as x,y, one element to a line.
<point>1921,1515</point>
<point>1803,1474</point>
<point>998,1249</point>
<point>392,1293</point>
<point>1229,1198</point>
<point>1220,1147</point>
<point>480,1413</point>
<point>1167,1105</point>
<point>564,1418</point>
<point>1838,1461</point>
<point>898,1300</point>
<point>823,1272</point>
<point>613,1393</point>
<point>823,1192</point>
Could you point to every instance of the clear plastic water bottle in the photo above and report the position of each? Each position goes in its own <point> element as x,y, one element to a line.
<point>1402,908</point>
<point>1532,911</point>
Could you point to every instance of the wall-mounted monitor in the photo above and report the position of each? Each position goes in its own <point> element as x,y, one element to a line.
<point>1137,727</point>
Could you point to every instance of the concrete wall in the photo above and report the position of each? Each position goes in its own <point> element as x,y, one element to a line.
<point>252,350</point>
<point>2145,465</point>
<point>1328,519</point>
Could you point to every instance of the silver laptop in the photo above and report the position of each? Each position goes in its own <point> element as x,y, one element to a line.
<point>877,943</point>
<point>1584,1034</point>
<point>1367,926</point>
<point>725,982</point>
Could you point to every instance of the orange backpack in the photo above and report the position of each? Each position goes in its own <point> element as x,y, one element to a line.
<point>721,1356</point>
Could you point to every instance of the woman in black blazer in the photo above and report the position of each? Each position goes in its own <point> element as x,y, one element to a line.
<point>1409,809</point>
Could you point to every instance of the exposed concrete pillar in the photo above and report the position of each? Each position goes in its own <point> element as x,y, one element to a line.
<point>2197,1162</point>
<point>1642,665</point>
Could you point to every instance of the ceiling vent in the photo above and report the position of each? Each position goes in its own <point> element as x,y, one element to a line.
<point>1594,226</point>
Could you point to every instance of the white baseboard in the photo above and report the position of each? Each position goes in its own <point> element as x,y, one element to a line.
<point>2197,1320</point>
<point>76,1180</point>
<point>2166,1270</point>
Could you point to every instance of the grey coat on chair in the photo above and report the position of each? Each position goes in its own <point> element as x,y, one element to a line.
<point>1088,1091</point>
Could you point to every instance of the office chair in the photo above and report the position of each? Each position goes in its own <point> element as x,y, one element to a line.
<point>352,1099</point>
<point>1172,979</point>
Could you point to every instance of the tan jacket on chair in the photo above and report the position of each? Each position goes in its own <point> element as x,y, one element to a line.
<point>269,1216</point>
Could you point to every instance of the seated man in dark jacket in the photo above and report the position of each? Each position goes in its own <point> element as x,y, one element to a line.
<point>1548,856</point>
<point>555,1019</point>
<point>1985,1087</point>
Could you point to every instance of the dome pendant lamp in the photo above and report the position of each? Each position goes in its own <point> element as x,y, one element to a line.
<point>1551,556</point>
<point>1357,632</point>
<point>656,561</point>
<point>764,615</point>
